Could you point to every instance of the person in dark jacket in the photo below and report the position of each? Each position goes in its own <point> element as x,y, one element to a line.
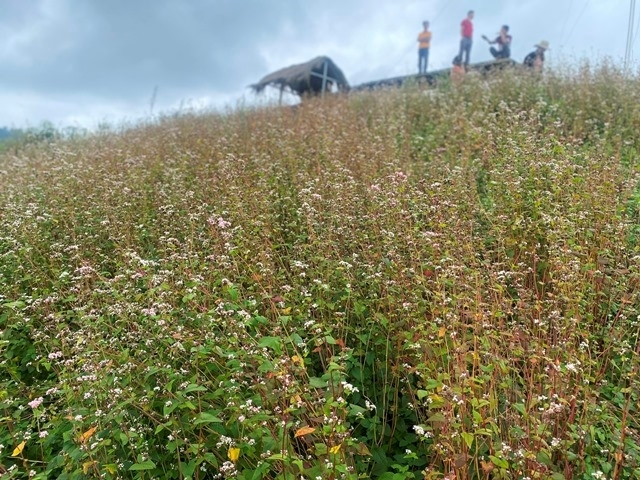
<point>535,59</point>
<point>503,41</point>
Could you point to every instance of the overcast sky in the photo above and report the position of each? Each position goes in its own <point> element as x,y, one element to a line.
<point>82,62</point>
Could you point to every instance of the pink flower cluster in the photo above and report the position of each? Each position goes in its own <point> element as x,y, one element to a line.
<point>36,402</point>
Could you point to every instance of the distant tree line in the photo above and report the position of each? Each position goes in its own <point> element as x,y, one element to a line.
<point>6,133</point>
<point>46,132</point>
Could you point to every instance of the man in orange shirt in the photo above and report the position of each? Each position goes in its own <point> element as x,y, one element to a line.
<point>424,40</point>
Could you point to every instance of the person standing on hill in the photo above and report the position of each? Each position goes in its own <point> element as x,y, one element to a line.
<point>535,60</point>
<point>466,32</point>
<point>424,40</point>
<point>503,40</point>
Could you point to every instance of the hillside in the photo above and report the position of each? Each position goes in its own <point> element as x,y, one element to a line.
<point>390,285</point>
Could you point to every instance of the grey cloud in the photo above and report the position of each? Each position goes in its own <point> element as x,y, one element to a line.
<point>121,48</point>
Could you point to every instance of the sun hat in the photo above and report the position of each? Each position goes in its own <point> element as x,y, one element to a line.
<point>543,45</point>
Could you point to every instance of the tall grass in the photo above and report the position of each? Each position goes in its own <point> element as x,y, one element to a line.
<point>392,285</point>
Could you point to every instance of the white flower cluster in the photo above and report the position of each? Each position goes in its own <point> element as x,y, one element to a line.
<point>421,432</point>
<point>348,388</point>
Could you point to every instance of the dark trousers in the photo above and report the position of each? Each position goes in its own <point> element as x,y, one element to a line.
<point>465,49</point>
<point>423,60</point>
<point>504,53</point>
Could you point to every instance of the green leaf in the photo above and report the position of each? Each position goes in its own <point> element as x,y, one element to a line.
<point>298,463</point>
<point>320,449</point>
<point>274,343</point>
<point>468,438</point>
<point>192,387</point>
<point>188,297</point>
<point>477,418</point>
<point>278,456</point>
<point>260,472</point>
<point>189,468</point>
<point>544,458</point>
<point>387,476</point>
<point>394,476</point>
<point>168,409</point>
<point>315,382</point>
<point>260,319</point>
<point>438,417</point>
<point>296,339</point>
<point>77,454</point>
<point>432,384</point>
<point>147,465</point>
<point>421,394</point>
<point>205,417</point>
<point>520,408</point>
<point>17,304</point>
<point>266,366</point>
<point>356,409</point>
<point>188,404</point>
<point>499,462</point>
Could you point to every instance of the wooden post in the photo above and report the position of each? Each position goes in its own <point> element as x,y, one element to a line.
<point>324,77</point>
<point>628,53</point>
<point>280,99</point>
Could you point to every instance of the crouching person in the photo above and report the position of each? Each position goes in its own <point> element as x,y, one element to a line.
<point>535,60</point>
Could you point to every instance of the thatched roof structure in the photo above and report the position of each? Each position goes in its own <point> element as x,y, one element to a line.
<point>305,78</point>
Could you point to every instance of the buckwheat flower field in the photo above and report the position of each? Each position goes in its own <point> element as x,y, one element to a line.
<point>390,285</point>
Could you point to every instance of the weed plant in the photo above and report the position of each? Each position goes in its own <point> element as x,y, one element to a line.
<point>391,285</point>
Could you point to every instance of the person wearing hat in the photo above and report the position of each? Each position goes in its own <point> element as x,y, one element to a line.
<point>535,59</point>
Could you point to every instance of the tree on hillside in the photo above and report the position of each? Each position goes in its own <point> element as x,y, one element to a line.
<point>9,133</point>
